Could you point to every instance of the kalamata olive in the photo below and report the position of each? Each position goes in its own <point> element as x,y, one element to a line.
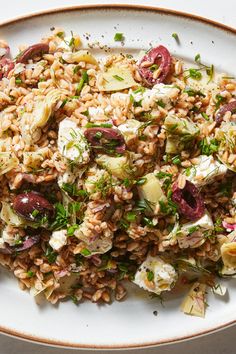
<point>108,140</point>
<point>6,65</point>
<point>159,59</point>
<point>34,50</point>
<point>229,107</point>
<point>189,201</point>
<point>33,206</point>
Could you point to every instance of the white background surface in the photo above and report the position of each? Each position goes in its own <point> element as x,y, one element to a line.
<point>223,11</point>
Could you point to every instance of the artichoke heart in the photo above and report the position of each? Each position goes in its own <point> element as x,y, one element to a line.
<point>115,79</point>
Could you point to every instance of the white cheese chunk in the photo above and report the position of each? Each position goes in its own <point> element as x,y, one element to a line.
<point>206,170</point>
<point>58,239</point>
<point>130,128</point>
<point>159,92</point>
<point>192,235</point>
<point>155,275</point>
<point>72,143</point>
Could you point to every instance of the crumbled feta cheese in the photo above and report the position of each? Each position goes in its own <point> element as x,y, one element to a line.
<point>58,239</point>
<point>9,238</point>
<point>163,275</point>
<point>192,235</point>
<point>219,289</point>
<point>71,142</point>
<point>159,92</point>
<point>96,114</point>
<point>130,128</point>
<point>206,170</point>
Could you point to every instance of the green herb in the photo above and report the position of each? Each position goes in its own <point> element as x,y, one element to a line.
<point>85,252</point>
<point>123,224</point>
<point>35,213</point>
<point>193,229</point>
<point>167,179</point>
<point>60,35</point>
<point>141,89</point>
<point>131,99</point>
<point>98,135</point>
<point>18,81</point>
<point>218,225</point>
<point>150,275</point>
<point>30,274</point>
<point>85,113</point>
<point>210,72</point>
<point>153,67</point>
<point>194,74</point>
<point>144,205</point>
<point>50,255</point>
<point>72,40</point>
<point>228,77</point>
<point>138,103</point>
<point>74,299</point>
<point>205,116</point>
<point>117,77</point>
<point>73,190</point>
<point>175,36</point>
<point>161,103</point>
<point>71,229</point>
<point>64,102</point>
<point>197,58</point>
<point>191,92</point>
<point>141,181</point>
<point>208,148</point>
<point>148,222</point>
<point>168,208</point>
<point>84,80</point>
<point>42,79</point>
<point>74,207</point>
<point>126,182</point>
<point>103,125</point>
<point>226,188</point>
<point>218,101</point>
<point>209,69</point>
<point>61,218</point>
<point>176,160</point>
<point>163,174</point>
<point>118,37</point>
<point>131,216</point>
<point>188,171</point>
<point>76,69</point>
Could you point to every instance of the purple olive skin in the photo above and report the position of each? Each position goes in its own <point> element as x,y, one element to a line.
<point>34,50</point>
<point>28,242</point>
<point>159,56</point>
<point>108,140</point>
<point>32,206</point>
<point>188,200</point>
<point>229,107</point>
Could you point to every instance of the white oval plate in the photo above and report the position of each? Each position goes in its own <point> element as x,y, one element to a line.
<point>130,323</point>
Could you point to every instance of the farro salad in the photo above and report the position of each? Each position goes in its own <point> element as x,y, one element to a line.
<point>116,170</point>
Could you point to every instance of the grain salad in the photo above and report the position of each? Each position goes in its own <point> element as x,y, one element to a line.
<point>116,170</point>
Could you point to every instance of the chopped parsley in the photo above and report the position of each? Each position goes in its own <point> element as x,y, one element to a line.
<point>208,147</point>
<point>131,216</point>
<point>219,100</point>
<point>192,93</point>
<point>175,36</point>
<point>118,37</point>
<point>30,274</point>
<point>73,190</point>
<point>150,275</point>
<point>160,103</point>
<point>103,125</point>
<point>205,116</point>
<point>61,219</point>
<point>176,160</point>
<point>18,81</point>
<point>141,181</point>
<point>71,229</point>
<point>50,255</point>
<point>85,252</point>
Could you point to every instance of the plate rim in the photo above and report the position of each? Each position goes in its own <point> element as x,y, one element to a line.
<point>131,7</point>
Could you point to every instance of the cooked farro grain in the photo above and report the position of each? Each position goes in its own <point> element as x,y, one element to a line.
<point>109,176</point>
